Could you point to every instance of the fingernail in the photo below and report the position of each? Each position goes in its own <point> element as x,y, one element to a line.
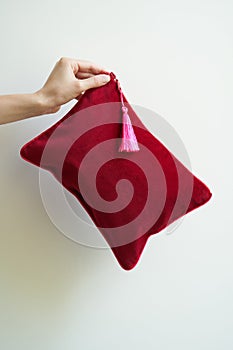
<point>104,78</point>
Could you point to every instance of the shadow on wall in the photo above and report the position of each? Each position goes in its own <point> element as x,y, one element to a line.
<point>38,265</point>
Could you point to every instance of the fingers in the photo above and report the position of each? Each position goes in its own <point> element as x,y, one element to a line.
<point>84,75</point>
<point>82,66</point>
<point>90,67</point>
<point>81,75</point>
<point>93,82</point>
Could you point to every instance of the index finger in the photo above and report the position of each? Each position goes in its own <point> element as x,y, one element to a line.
<point>89,67</point>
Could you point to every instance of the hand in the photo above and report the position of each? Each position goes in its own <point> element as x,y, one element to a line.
<point>68,80</point>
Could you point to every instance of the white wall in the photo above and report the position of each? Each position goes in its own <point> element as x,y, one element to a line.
<point>174,57</point>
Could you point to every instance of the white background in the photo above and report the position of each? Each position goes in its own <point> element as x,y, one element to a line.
<point>174,57</point>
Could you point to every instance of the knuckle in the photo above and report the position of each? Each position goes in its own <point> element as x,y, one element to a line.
<point>63,60</point>
<point>91,66</point>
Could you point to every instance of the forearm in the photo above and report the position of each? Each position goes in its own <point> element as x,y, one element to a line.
<point>21,106</point>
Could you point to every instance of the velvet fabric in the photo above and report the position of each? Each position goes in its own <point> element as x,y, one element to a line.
<point>129,196</point>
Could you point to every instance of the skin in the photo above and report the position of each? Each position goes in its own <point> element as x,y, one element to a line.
<point>67,81</point>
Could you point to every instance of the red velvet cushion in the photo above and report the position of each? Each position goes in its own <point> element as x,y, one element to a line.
<point>129,196</point>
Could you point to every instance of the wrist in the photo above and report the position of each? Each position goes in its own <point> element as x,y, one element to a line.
<point>44,104</point>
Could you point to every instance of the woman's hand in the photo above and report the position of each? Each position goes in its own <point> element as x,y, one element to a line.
<point>68,80</point>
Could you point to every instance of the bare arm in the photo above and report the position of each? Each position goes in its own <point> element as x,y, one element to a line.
<point>68,79</point>
<point>20,106</point>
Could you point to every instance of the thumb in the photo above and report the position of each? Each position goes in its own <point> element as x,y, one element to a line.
<point>93,82</point>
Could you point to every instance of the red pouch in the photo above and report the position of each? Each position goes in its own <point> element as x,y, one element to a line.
<point>129,183</point>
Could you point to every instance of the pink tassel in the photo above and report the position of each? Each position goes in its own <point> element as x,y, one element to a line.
<point>129,141</point>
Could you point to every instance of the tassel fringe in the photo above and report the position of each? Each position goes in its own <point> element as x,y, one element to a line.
<point>129,142</point>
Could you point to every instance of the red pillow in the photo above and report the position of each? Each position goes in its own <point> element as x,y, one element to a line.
<point>128,195</point>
